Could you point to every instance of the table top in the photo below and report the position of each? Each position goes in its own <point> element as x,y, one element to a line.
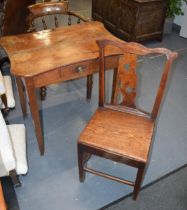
<point>35,53</point>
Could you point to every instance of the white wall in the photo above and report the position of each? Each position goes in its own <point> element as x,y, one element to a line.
<point>182,21</point>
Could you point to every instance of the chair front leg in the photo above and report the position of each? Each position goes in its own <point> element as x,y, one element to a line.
<point>81,163</point>
<point>138,182</point>
<point>83,158</point>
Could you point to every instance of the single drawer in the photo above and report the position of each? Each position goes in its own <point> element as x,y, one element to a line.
<point>81,69</point>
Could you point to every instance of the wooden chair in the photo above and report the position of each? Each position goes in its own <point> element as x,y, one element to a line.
<point>13,160</point>
<point>50,15</point>
<point>120,131</point>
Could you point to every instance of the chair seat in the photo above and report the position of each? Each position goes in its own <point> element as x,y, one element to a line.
<point>119,133</point>
<point>18,138</point>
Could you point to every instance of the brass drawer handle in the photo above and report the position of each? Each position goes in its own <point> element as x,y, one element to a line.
<point>80,69</point>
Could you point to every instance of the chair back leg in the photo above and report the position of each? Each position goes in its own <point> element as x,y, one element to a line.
<point>83,158</point>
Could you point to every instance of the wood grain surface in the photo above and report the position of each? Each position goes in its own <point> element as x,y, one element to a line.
<point>119,133</point>
<point>35,53</point>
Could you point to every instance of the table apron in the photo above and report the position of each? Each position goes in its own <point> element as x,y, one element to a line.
<point>72,71</point>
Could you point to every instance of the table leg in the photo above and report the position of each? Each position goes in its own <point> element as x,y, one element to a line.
<point>114,86</point>
<point>21,89</point>
<point>89,86</point>
<point>35,113</point>
<point>43,93</point>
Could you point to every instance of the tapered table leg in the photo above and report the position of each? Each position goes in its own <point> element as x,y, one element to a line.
<point>89,86</point>
<point>114,86</point>
<point>35,113</point>
<point>20,87</point>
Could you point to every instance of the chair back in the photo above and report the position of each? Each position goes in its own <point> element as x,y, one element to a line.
<point>125,84</point>
<point>49,15</point>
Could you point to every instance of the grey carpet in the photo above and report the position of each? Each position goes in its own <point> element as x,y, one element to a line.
<point>169,193</point>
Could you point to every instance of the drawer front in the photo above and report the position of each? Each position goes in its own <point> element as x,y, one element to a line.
<point>78,70</point>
